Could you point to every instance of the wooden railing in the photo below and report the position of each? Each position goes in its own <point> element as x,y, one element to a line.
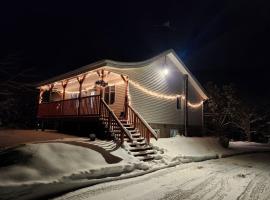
<point>112,123</point>
<point>85,106</point>
<point>140,124</point>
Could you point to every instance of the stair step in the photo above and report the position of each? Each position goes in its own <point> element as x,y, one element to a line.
<point>146,158</point>
<point>123,121</point>
<point>141,153</point>
<point>134,144</point>
<point>128,125</point>
<point>135,139</point>
<point>141,148</point>
<point>136,135</point>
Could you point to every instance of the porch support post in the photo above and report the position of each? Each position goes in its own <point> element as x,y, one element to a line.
<point>50,91</point>
<point>80,80</point>
<point>64,85</point>
<point>186,105</point>
<point>126,96</point>
<point>41,91</point>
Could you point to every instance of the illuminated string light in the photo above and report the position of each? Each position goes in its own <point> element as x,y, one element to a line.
<point>136,85</point>
<point>197,105</point>
<point>168,97</point>
<point>92,87</point>
<point>155,94</point>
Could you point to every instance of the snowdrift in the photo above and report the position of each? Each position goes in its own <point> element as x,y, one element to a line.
<point>192,149</point>
<point>36,170</point>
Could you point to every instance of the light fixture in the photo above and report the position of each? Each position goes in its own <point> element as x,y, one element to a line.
<point>165,71</point>
<point>102,83</point>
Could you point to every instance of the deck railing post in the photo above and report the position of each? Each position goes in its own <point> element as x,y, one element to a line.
<point>64,85</point>
<point>80,80</point>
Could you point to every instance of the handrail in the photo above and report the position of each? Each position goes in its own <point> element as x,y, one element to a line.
<point>58,101</point>
<point>113,118</point>
<point>137,120</point>
<point>69,107</point>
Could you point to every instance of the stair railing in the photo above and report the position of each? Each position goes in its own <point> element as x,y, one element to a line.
<point>111,122</point>
<point>140,124</point>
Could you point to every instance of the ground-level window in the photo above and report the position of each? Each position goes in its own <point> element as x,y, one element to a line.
<point>173,132</point>
<point>178,103</point>
<point>109,94</point>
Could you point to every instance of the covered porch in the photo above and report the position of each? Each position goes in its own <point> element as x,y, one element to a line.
<point>81,96</point>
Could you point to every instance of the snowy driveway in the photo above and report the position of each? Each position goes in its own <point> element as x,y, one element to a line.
<point>238,177</point>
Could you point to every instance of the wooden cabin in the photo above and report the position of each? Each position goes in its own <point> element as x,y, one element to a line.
<point>158,97</point>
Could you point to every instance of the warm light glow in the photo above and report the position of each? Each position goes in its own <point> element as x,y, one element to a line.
<point>155,94</point>
<point>92,87</point>
<point>197,105</point>
<point>165,71</point>
<point>167,97</point>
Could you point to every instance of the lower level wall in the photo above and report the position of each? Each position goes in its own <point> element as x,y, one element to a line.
<point>168,130</point>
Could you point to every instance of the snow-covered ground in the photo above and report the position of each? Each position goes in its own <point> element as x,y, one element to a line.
<point>238,177</point>
<point>47,169</point>
<point>202,148</point>
<point>34,170</point>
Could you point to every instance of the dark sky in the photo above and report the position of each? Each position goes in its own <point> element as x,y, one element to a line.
<point>221,41</point>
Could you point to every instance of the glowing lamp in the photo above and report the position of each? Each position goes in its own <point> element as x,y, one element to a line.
<point>165,71</point>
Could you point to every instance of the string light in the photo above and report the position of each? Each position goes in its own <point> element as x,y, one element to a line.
<point>168,97</point>
<point>138,86</point>
<point>92,87</point>
<point>197,105</point>
<point>155,94</point>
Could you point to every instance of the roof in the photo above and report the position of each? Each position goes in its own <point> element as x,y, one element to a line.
<point>106,62</point>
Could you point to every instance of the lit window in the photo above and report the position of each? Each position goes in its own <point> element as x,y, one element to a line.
<point>109,96</point>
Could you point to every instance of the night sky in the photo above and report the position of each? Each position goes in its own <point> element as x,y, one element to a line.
<point>220,41</point>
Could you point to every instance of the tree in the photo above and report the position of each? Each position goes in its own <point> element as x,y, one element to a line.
<point>225,110</point>
<point>17,93</point>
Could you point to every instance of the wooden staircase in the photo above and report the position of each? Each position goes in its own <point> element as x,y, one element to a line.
<point>139,146</point>
<point>134,130</point>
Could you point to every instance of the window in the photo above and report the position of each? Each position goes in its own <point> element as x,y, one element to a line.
<point>178,103</point>
<point>173,132</point>
<point>109,96</point>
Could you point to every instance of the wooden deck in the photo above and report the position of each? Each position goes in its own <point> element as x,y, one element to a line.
<point>79,107</point>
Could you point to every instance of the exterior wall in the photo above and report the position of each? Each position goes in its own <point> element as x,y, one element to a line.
<point>163,112</point>
<point>153,109</point>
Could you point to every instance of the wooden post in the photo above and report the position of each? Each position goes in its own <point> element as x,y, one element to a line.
<point>80,80</point>
<point>50,91</point>
<point>148,137</point>
<point>186,105</point>
<point>64,85</point>
<point>126,96</point>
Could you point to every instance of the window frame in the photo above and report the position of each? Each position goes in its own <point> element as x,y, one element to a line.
<point>110,94</point>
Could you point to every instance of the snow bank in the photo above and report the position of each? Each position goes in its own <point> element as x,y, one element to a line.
<point>188,149</point>
<point>37,170</point>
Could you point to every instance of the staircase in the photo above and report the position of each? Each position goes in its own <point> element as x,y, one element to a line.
<point>134,130</point>
<point>138,147</point>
